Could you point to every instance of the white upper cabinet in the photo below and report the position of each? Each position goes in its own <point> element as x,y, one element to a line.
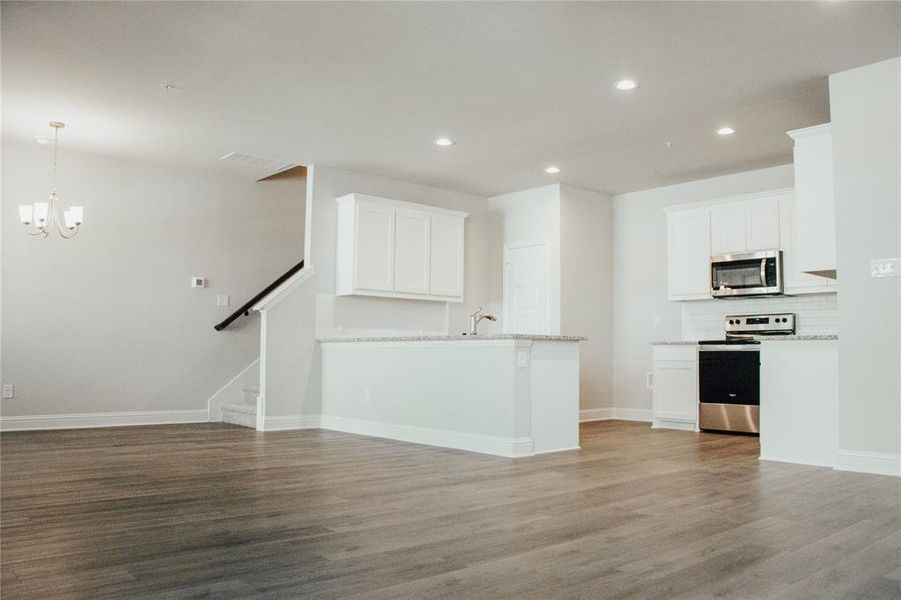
<point>398,249</point>
<point>814,211</point>
<point>411,251</point>
<point>446,260</point>
<point>728,229</point>
<point>796,280</point>
<point>688,254</point>
<point>764,221</point>
<point>373,269</point>
<point>745,226</point>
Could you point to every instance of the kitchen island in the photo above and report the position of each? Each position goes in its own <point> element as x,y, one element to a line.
<point>508,395</point>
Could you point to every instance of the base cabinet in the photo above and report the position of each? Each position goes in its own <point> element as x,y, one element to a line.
<point>675,387</point>
<point>799,401</point>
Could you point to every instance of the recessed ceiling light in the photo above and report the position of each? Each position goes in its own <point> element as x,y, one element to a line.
<point>552,170</point>
<point>725,131</point>
<point>444,142</point>
<point>168,86</point>
<point>626,85</point>
<point>43,140</point>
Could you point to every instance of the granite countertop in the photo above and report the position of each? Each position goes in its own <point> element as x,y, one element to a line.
<point>443,338</point>
<point>774,338</point>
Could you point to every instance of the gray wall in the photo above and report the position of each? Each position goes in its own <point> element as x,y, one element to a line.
<point>586,277</point>
<point>639,271</point>
<point>866,121</point>
<point>107,322</point>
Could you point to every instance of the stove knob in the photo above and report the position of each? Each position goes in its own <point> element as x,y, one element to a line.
<point>731,322</point>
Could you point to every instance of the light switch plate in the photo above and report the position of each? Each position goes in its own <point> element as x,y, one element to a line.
<point>522,359</point>
<point>885,267</point>
<point>9,391</point>
<point>222,300</point>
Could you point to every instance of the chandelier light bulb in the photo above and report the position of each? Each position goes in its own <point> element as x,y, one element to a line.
<point>26,214</point>
<point>41,211</point>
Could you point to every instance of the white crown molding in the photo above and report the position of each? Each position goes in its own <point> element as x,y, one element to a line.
<point>728,199</point>
<point>118,419</point>
<point>284,290</point>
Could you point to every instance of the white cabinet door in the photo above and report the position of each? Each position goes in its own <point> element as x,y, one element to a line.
<point>374,247</point>
<point>446,268</point>
<point>729,228</point>
<point>814,199</point>
<point>411,251</point>
<point>688,254</point>
<point>675,396</point>
<point>763,224</point>
<point>796,280</point>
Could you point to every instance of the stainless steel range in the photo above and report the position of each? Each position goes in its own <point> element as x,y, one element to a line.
<point>729,372</point>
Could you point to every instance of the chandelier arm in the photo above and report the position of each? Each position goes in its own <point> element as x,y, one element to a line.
<point>63,233</point>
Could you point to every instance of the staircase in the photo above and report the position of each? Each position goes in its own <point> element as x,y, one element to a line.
<point>245,412</point>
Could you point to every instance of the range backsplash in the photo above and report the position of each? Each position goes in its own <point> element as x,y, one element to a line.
<point>816,314</point>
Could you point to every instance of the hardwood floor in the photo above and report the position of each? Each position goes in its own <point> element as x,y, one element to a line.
<point>220,511</point>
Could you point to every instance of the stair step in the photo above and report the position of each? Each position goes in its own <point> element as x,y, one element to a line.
<point>240,414</point>
<point>252,389</point>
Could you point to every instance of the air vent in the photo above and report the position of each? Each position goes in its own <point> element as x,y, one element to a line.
<point>270,164</point>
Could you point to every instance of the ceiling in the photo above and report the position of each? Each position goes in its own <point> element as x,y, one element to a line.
<point>368,86</point>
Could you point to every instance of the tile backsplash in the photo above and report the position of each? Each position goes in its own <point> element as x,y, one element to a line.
<point>815,314</point>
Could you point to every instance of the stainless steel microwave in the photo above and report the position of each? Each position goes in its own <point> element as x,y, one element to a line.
<point>746,274</point>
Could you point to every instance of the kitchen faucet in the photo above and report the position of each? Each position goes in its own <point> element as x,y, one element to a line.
<point>474,319</point>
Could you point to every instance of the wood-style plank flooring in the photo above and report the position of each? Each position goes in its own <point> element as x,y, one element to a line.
<point>214,510</point>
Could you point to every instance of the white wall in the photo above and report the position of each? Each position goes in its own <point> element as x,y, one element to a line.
<point>639,271</point>
<point>586,292</point>
<point>313,311</point>
<point>353,315</point>
<point>107,322</point>
<point>526,216</point>
<point>866,136</point>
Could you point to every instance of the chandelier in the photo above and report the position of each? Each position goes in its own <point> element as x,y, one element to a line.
<point>41,217</point>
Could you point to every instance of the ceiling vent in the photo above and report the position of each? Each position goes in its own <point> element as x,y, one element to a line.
<point>270,164</point>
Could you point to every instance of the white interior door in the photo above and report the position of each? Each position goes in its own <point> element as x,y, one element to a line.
<point>526,288</point>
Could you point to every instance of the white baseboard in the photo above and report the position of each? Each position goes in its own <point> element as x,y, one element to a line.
<point>789,460</point>
<point>876,463</point>
<point>595,414</point>
<point>118,419</point>
<point>484,444</point>
<point>615,413</point>
<point>289,422</point>
<point>674,424</point>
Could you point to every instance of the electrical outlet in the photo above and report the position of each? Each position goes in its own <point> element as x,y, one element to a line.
<point>9,391</point>
<point>658,320</point>
<point>885,267</point>
<point>222,300</point>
